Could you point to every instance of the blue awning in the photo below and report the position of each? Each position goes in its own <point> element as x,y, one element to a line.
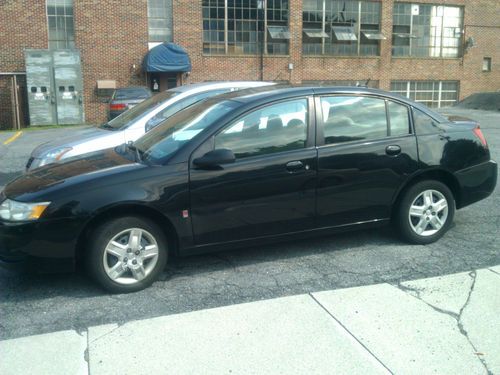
<point>167,57</point>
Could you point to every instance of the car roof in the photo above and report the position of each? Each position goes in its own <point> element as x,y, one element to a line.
<point>132,88</point>
<point>219,85</point>
<point>277,92</point>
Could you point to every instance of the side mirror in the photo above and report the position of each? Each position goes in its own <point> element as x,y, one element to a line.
<point>215,158</point>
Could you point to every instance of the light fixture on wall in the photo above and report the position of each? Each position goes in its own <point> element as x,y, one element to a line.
<point>469,43</point>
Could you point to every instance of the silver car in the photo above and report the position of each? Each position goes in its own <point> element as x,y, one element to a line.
<point>133,123</point>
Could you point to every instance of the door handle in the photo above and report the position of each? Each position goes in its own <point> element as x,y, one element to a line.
<point>294,166</point>
<point>393,150</point>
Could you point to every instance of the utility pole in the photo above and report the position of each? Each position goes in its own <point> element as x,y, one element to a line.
<point>261,9</point>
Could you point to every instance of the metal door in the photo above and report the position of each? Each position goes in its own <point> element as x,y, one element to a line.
<point>68,86</point>
<point>54,80</point>
<point>41,98</point>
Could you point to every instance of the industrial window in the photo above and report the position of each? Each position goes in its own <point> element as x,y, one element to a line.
<point>360,82</point>
<point>434,94</point>
<point>237,27</point>
<point>60,24</point>
<point>159,21</point>
<point>427,30</point>
<point>346,28</point>
<point>487,64</point>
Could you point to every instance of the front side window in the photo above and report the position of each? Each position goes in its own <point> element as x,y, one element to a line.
<point>245,27</point>
<point>274,128</point>
<point>434,94</point>
<point>353,118</point>
<point>60,24</point>
<point>426,30</point>
<point>348,27</point>
<point>159,21</point>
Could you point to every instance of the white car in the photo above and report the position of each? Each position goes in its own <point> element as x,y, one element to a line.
<point>133,123</point>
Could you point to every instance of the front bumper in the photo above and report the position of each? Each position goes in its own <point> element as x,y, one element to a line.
<point>477,182</point>
<point>42,246</point>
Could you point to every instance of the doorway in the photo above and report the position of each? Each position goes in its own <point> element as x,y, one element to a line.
<point>160,81</point>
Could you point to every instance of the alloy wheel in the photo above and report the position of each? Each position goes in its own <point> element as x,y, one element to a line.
<point>130,256</point>
<point>428,213</point>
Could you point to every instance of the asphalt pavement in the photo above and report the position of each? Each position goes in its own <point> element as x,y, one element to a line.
<point>37,304</point>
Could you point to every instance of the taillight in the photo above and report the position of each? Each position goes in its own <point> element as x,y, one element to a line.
<point>117,107</point>
<point>478,133</point>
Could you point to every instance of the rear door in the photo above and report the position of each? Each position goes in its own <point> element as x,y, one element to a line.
<point>271,187</point>
<point>367,151</point>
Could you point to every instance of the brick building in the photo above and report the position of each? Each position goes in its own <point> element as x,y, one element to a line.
<point>436,51</point>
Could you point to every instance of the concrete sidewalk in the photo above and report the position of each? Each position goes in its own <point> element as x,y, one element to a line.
<point>443,325</point>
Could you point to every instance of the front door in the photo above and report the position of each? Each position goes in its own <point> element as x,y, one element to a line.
<point>271,187</point>
<point>368,151</point>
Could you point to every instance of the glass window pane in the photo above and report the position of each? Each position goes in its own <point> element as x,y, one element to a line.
<point>275,128</point>
<point>351,118</point>
<point>398,115</point>
<point>160,20</point>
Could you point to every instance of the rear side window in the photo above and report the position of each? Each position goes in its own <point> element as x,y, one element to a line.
<point>353,118</point>
<point>274,128</point>
<point>399,119</point>
<point>424,124</point>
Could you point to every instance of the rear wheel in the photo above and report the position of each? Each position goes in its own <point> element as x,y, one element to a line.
<point>127,254</point>
<point>425,212</point>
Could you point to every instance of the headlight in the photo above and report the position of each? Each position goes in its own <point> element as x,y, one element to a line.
<point>18,211</point>
<point>54,156</point>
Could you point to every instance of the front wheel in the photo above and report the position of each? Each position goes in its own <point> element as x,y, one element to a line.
<point>425,212</point>
<point>127,254</point>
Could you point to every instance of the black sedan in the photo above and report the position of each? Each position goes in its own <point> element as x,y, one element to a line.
<point>247,167</point>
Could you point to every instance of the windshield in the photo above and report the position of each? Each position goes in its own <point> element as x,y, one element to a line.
<point>172,134</point>
<point>127,117</point>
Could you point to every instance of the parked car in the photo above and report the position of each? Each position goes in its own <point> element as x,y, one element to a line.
<point>247,168</point>
<point>133,123</point>
<point>126,98</point>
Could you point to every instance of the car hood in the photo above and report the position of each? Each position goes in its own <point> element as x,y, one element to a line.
<point>77,137</point>
<point>75,171</point>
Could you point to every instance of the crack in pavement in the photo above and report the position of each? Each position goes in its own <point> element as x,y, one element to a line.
<point>118,325</point>
<point>495,272</point>
<point>415,292</point>
<point>351,334</point>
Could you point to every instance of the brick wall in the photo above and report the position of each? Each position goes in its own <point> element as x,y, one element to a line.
<point>22,25</point>
<point>112,38</point>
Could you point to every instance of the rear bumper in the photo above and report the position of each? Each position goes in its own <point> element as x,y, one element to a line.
<point>47,246</point>
<point>477,182</point>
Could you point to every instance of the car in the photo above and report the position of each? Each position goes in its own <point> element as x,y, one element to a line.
<point>133,123</point>
<point>126,98</point>
<point>247,168</point>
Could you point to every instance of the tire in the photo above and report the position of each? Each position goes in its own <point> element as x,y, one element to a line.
<point>432,210</point>
<point>126,254</point>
